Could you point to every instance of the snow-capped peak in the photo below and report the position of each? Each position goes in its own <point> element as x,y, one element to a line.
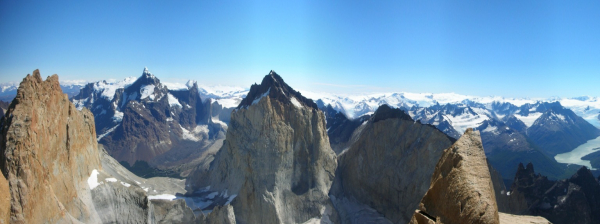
<point>147,73</point>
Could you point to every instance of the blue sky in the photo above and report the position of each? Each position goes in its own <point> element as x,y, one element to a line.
<point>505,48</point>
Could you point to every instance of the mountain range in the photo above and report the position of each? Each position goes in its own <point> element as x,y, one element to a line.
<point>272,162</point>
<point>157,128</point>
<point>151,128</point>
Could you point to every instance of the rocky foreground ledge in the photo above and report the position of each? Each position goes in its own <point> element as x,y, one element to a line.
<point>462,190</point>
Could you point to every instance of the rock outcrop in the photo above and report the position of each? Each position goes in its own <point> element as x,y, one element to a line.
<point>48,150</point>
<point>276,158</point>
<point>389,166</point>
<point>521,219</point>
<point>55,172</point>
<point>573,200</point>
<point>461,187</point>
<point>526,189</point>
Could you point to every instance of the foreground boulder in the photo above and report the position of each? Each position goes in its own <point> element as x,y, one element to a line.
<point>388,168</point>
<point>461,186</point>
<point>276,158</point>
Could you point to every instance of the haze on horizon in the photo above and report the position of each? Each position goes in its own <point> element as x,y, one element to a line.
<point>501,48</point>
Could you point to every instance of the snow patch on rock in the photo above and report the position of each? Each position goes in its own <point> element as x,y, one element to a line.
<point>93,179</point>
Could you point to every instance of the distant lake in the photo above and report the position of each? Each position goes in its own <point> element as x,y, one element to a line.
<point>574,157</point>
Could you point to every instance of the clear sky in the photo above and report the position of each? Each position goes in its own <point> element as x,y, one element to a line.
<point>505,48</point>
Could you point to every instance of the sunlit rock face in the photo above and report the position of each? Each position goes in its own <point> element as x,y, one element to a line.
<point>48,150</point>
<point>276,158</point>
<point>461,188</point>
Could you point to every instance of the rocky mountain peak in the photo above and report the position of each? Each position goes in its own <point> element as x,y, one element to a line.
<point>273,86</point>
<point>147,78</point>
<point>146,72</point>
<point>385,112</point>
<point>585,177</point>
<point>276,162</point>
<point>47,151</point>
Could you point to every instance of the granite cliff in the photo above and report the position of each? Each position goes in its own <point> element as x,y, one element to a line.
<point>55,172</point>
<point>48,150</point>
<point>276,158</point>
<point>388,168</point>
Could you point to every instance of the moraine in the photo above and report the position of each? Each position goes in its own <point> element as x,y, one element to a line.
<point>574,157</point>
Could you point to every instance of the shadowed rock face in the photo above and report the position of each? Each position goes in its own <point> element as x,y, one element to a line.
<point>461,187</point>
<point>172,131</point>
<point>573,200</point>
<point>560,130</point>
<point>276,157</point>
<point>340,129</point>
<point>3,107</point>
<point>47,151</point>
<point>388,167</point>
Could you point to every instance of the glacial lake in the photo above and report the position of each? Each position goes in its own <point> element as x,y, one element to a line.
<point>574,157</point>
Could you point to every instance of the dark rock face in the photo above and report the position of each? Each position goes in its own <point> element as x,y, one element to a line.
<point>512,122</point>
<point>388,167</point>
<point>340,129</point>
<point>3,108</point>
<point>277,89</point>
<point>499,189</point>
<point>573,200</point>
<point>142,120</point>
<point>386,112</point>
<point>560,130</point>
<point>498,137</point>
<point>504,108</point>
